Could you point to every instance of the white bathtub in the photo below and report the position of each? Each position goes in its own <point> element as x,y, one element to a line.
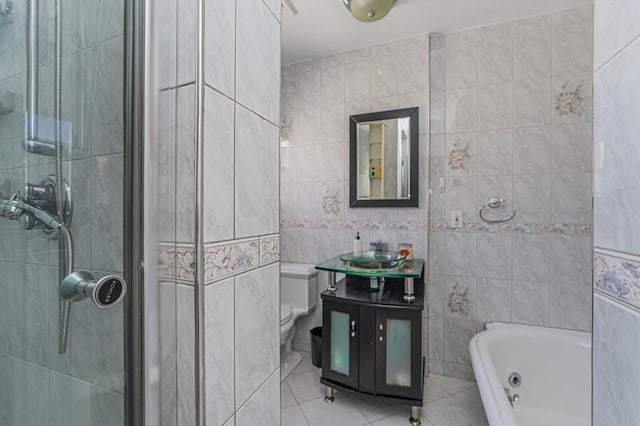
<point>555,367</point>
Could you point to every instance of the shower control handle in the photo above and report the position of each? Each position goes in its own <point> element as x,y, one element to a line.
<point>106,292</point>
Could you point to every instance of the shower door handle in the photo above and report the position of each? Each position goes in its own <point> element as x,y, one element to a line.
<point>106,292</point>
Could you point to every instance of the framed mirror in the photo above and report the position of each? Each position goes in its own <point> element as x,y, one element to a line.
<point>383,159</point>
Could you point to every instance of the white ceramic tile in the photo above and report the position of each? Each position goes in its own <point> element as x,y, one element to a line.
<point>437,70</point>
<point>286,397</point>
<point>185,356</point>
<point>292,416</point>
<point>357,81</point>
<point>450,384</point>
<point>384,74</point>
<point>256,329</point>
<point>460,65</point>
<point>436,156</point>
<point>413,75</point>
<point>218,167</point>
<point>107,347</point>
<point>616,344</point>
<point>460,256</point>
<point>572,49</point>
<point>219,353</point>
<point>263,408</point>
<point>70,401</point>
<point>107,407</point>
<point>531,257</point>
<point>616,152</point>
<point>532,198</point>
<point>435,298</point>
<point>571,259</point>
<point>495,152</point>
<point>533,23</point>
<point>186,41</point>
<point>457,335</point>
<point>341,411</point>
<point>571,198</point>
<point>437,113</point>
<point>495,107</point>
<point>332,82</point>
<point>258,42</point>
<point>461,110</point>
<point>571,307</point>
<point>495,60</point>
<point>461,37</point>
<point>532,150</point>
<point>256,175</point>
<point>575,15</point>
<point>494,300</point>
<point>461,195</point>
<point>32,396</point>
<point>532,55</point>
<point>531,102</point>
<point>436,252</point>
<point>374,410</point>
<point>530,303</point>
<point>494,254</point>
<point>616,24</point>
<point>219,46</point>
<point>305,385</point>
<point>502,29</point>
<point>571,148</point>
<point>185,159</point>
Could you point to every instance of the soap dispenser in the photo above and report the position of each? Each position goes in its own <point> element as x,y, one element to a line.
<point>357,245</point>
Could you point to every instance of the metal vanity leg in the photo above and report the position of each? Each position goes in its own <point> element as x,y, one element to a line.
<point>332,281</point>
<point>409,290</point>
<point>328,395</point>
<point>415,416</point>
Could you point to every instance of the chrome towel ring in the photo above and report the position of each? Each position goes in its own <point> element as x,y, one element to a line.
<point>494,203</point>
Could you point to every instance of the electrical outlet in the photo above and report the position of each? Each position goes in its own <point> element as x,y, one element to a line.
<point>456,219</point>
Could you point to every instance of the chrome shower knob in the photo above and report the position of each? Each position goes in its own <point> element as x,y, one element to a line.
<point>107,292</point>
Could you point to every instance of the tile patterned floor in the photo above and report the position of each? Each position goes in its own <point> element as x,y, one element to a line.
<point>447,402</point>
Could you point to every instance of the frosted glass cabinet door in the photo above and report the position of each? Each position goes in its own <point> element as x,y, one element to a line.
<point>340,337</point>
<point>399,353</point>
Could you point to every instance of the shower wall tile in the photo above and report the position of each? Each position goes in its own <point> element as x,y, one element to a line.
<point>107,207</point>
<point>461,110</point>
<point>533,23</point>
<point>166,13</point>
<point>257,301</point>
<point>572,148</point>
<point>107,347</point>
<point>168,353</point>
<point>256,184</point>
<point>531,102</point>
<point>495,107</point>
<point>70,401</point>
<point>460,66</point>
<point>79,86</point>
<point>616,24</point>
<point>165,162</point>
<point>531,257</point>
<point>185,161</point>
<point>107,122</point>
<point>530,303</point>
<point>495,60</point>
<point>571,257</point>
<point>219,333</point>
<point>493,300</point>
<point>108,16</point>
<point>617,152</point>
<point>532,55</point>
<point>571,306</point>
<point>186,12</point>
<point>495,152</point>
<point>33,386</point>
<point>258,42</point>
<point>616,344</point>
<point>79,175</point>
<point>185,356</point>
<point>264,404</point>
<point>107,407</point>
<point>572,48</point>
<point>220,46</point>
<point>219,166</point>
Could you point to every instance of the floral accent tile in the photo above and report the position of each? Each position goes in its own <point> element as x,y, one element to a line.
<point>460,157</point>
<point>166,261</point>
<point>185,263</point>
<point>459,301</point>
<point>617,275</point>
<point>230,258</point>
<point>331,201</point>
<point>570,100</point>
<point>269,249</point>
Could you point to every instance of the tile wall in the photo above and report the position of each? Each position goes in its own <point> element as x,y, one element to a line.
<point>616,316</point>
<point>241,210</point>
<point>84,386</point>
<point>511,114</point>
<point>318,96</point>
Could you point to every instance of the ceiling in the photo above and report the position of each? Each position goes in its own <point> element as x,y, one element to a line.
<point>323,27</point>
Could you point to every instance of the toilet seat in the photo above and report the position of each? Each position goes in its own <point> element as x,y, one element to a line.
<point>286,314</point>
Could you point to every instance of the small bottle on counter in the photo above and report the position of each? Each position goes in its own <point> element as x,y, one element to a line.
<point>357,245</point>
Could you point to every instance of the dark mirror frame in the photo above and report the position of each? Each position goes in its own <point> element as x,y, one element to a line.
<point>354,120</point>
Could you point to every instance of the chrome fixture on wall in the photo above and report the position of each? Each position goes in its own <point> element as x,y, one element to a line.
<point>369,10</point>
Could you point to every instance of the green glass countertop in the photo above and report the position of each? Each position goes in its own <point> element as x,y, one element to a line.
<point>407,269</point>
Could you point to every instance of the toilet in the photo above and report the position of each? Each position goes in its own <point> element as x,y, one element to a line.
<point>298,294</point>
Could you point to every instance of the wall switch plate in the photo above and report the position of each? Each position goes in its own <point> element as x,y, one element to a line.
<point>456,219</point>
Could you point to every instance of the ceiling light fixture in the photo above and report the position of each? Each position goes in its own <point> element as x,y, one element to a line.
<point>368,10</point>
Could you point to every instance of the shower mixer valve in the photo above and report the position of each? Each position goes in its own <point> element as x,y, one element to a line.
<point>106,292</point>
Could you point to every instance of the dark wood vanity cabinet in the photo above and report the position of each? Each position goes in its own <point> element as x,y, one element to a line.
<point>372,342</point>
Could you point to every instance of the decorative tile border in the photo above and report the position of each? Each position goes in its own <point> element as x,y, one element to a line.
<point>222,260</point>
<point>364,225</point>
<point>269,249</point>
<point>617,275</point>
<point>176,261</point>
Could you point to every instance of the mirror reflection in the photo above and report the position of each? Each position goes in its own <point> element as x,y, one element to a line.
<point>384,158</point>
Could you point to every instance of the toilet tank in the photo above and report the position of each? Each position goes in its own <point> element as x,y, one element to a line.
<point>298,285</point>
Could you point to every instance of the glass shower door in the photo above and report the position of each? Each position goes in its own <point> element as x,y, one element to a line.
<point>61,212</point>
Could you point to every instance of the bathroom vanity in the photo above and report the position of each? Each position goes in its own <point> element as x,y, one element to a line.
<point>372,338</point>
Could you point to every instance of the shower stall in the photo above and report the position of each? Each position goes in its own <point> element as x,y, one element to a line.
<point>63,149</point>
